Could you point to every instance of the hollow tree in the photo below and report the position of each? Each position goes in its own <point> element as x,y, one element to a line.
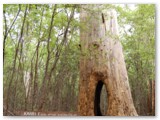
<point>102,63</point>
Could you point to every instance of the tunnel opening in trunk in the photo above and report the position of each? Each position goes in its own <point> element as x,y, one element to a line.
<point>100,100</point>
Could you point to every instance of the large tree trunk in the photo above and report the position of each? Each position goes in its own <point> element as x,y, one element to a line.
<point>102,63</point>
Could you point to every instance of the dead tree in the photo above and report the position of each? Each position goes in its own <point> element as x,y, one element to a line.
<point>102,63</point>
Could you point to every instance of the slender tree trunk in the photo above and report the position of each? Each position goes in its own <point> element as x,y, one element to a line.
<point>15,59</point>
<point>35,83</point>
<point>46,74</point>
<point>102,63</point>
<point>149,101</point>
<point>153,97</point>
<point>7,31</point>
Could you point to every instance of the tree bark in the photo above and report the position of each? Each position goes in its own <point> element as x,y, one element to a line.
<point>15,59</point>
<point>153,97</point>
<point>7,31</point>
<point>46,74</point>
<point>102,61</point>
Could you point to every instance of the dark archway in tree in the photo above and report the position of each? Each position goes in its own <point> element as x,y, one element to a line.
<point>97,99</point>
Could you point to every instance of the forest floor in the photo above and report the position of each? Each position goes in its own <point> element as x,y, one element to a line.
<point>39,113</point>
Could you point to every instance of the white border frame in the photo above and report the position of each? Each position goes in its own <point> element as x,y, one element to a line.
<point>157,45</point>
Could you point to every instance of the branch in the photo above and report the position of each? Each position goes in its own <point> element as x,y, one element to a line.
<point>63,41</point>
<point>12,23</point>
<point>8,112</point>
<point>51,26</point>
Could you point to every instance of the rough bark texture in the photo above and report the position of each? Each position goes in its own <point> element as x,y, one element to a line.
<point>102,60</point>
